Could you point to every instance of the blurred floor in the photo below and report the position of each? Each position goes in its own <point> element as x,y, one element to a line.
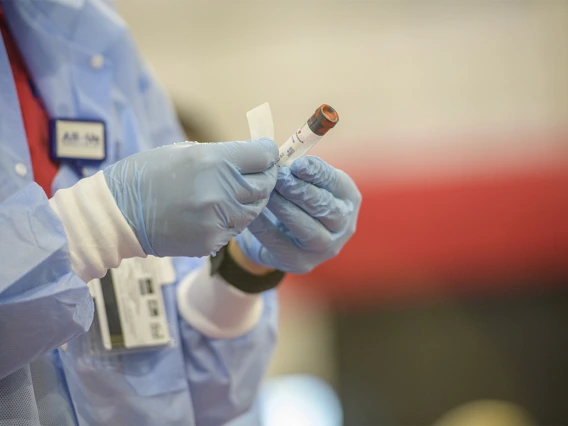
<point>407,364</point>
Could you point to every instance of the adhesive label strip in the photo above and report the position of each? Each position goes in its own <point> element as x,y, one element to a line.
<point>260,122</point>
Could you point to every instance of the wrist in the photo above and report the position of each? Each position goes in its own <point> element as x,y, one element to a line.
<point>215,308</point>
<point>255,279</point>
<point>244,262</point>
<point>97,234</point>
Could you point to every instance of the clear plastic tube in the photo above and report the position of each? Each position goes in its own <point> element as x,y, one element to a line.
<point>308,135</point>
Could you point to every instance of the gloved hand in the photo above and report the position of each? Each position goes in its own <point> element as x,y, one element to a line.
<point>190,199</point>
<point>310,216</point>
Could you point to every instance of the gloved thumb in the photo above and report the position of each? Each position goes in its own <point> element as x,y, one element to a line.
<point>250,156</point>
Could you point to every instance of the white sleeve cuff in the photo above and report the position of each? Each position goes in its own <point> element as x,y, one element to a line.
<point>98,235</point>
<point>216,308</point>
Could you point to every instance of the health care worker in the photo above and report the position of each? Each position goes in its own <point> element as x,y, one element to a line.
<point>74,60</point>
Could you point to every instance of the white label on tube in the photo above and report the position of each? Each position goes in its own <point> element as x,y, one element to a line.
<point>297,145</point>
<point>261,126</point>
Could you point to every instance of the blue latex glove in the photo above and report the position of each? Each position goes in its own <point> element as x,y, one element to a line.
<point>191,199</point>
<point>310,216</point>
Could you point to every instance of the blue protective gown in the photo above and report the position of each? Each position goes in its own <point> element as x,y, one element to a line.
<point>43,303</point>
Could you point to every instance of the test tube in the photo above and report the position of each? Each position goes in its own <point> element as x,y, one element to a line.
<point>308,135</point>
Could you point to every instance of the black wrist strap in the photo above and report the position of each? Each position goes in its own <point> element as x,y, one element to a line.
<point>224,265</point>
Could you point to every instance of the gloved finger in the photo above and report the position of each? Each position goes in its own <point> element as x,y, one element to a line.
<point>239,219</point>
<point>250,156</point>
<point>307,232</point>
<point>319,203</point>
<point>318,172</point>
<point>256,186</point>
<point>270,237</point>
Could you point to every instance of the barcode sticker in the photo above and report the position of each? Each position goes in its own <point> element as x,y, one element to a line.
<point>153,309</point>
<point>146,286</point>
<point>156,330</point>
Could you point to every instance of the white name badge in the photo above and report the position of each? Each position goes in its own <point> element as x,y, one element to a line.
<point>78,140</point>
<point>130,304</point>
